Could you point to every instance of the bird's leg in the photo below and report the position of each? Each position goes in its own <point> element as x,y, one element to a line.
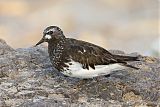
<point>108,75</point>
<point>98,79</point>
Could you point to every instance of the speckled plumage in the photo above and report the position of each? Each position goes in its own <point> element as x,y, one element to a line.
<point>64,52</point>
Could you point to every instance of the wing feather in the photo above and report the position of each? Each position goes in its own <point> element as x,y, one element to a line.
<point>89,54</point>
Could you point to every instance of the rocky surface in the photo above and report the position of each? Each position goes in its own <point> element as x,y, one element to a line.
<point>27,79</point>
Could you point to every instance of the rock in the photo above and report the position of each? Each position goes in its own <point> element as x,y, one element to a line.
<point>2,103</point>
<point>27,78</point>
<point>4,48</point>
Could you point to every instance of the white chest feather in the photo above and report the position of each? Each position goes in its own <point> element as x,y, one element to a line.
<point>75,70</point>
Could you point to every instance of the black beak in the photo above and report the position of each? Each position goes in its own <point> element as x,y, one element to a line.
<point>41,41</point>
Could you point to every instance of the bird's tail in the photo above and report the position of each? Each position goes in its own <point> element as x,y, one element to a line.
<point>126,58</point>
<point>123,59</point>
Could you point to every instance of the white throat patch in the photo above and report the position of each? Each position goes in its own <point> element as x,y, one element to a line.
<point>48,37</point>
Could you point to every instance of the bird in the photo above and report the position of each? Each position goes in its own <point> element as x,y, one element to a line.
<point>81,59</point>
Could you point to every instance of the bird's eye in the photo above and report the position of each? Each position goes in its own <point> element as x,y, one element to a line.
<point>58,29</point>
<point>50,32</point>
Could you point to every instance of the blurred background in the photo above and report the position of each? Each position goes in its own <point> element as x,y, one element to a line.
<point>127,25</point>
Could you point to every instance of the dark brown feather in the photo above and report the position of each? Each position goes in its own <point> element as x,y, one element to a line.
<point>90,55</point>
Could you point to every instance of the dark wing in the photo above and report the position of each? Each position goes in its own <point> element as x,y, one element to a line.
<point>89,54</point>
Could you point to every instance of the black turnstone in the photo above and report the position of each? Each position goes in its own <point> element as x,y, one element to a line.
<point>76,58</point>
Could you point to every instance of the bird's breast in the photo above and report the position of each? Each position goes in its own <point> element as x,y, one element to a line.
<point>56,54</point>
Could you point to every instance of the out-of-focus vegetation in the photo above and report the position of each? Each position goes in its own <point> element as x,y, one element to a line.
<point>129,25</point>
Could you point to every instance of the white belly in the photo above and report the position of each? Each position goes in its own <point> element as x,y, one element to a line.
<point>76,70</point>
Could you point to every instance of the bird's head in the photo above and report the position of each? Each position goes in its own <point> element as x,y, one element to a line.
<point>51,33</point>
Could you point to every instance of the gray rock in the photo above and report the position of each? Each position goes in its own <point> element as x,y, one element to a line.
<point>27,79</point>
<point>4,48</point>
